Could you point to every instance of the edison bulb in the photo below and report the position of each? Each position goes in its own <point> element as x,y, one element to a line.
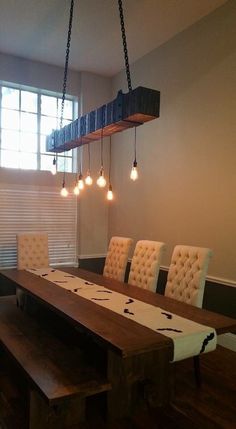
<point>88,179</point>
<point>54,167</point>
<point>101,182</point>
<point>64,192</point>
<point>80,182</point>
<point>134,172</point>
<point>76,190</point>
<point>110,195</point>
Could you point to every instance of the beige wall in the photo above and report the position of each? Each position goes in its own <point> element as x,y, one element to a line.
<point>95,90</point>
<point>187,158</point>
<point>36,74</point>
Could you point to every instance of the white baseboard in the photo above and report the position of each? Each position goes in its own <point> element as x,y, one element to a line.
<point>219,280</point>
<point>228,341</point>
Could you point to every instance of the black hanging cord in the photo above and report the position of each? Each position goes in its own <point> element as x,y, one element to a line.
<point>102,137</point>
<point>54,147</point>
<point>135,160</point>
<point>80,160</point>
<point>126,58</point>
<point>89,157</point>
<point>110,162</point>
<point>65,75</point>
<point>102,148</point>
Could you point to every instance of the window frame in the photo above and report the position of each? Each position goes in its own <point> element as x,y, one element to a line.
<point>40,92</point>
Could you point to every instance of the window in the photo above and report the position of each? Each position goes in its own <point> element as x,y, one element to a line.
<point>25,211</point>
<point>26,118</point>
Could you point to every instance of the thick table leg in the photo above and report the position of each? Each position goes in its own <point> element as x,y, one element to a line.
<point>138,381</point>
<point>61,416</point>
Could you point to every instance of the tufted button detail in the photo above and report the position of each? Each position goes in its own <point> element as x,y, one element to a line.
<point>145,264</point>
<point>32,251</point>
<point>187,272</point>
<point>117,257</point>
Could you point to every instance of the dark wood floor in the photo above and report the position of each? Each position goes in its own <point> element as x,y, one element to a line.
<point>211,407</point>
<point>214,405</point>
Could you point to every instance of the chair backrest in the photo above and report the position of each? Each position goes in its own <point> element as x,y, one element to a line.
<point>117,257</point>
<point>187,274</point>
<point>32,251</point>
<point>145,264</point>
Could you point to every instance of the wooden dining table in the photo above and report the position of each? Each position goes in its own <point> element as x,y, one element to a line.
<point>138,359</point>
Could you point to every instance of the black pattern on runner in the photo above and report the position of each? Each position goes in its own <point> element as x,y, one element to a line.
<point>104,291</point>
<point>129,301</point>
<point>44,275</point>
<point>100,299</point>
<point>88,283</point>
<point>126,311</point>
<point>206,341</point>
<point>169,329</point>
<point>169,316</point>
<point>67,275</point>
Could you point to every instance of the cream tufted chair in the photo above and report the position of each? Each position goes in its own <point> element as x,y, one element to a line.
<point>32,252</point>
<point>186,281</point>
<point>145,264</point>
<point>187,274</point>
<point>117,257</point>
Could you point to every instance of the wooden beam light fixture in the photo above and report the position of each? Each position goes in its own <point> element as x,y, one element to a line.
<point>126,111</point>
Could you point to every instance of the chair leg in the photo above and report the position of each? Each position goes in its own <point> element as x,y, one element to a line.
<point>197,371</point>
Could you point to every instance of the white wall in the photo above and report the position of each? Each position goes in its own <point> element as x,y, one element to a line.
<point>187,157</point>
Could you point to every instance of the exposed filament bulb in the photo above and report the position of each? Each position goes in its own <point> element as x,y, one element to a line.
<point>134,171</point>
<point>54,167</point>
<point>101,182</point>
<point>64,192</point>
<point>88,179</point>
<point>110,195</point>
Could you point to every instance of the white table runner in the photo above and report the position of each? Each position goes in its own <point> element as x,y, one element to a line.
<point>189,338</point>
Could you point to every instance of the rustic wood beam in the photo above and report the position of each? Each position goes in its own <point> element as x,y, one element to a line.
<point>126,111</point>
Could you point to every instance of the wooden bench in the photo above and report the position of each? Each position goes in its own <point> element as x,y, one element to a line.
<point>58,376</point>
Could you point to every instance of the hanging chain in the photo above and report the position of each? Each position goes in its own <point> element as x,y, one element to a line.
<point>126,58</point>
<point>66,62</point>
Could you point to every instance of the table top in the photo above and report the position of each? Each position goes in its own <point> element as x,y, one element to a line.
<point>125,336</point>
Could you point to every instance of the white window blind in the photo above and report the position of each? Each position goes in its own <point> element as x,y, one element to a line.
<point>26,211</point>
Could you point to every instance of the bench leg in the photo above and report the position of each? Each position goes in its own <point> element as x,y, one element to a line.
<point>61,416</point>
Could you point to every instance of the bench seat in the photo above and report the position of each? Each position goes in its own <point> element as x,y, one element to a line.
<point>57,372</point>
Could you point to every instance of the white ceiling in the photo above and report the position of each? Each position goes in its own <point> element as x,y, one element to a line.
<point>37,29</point>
